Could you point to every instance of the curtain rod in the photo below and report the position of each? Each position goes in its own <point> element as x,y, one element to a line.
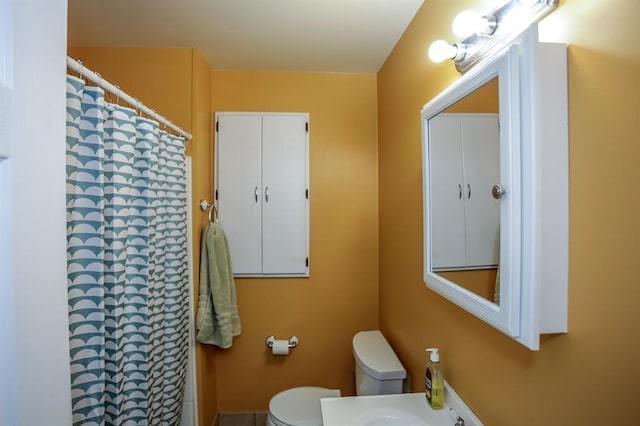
<point>97,78</point>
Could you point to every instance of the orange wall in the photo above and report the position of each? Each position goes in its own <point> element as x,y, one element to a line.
<point>588,376</point>
<point>483,99</point>
<point>177,84</point>
<point>202,188</point>
<point>341,295</point>
<point>159,77</point>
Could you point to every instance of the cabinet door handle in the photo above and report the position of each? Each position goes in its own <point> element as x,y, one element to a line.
<point>255,193</point>
<point>459,192</point>
<point>497,191</point>
<point>468,192</point>
<point>266,194</point>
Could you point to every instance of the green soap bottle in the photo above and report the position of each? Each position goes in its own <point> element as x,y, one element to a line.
<point>433,383</point>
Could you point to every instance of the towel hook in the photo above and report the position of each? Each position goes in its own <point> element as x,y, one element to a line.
<point>204,205</point>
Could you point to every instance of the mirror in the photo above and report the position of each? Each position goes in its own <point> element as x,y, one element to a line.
<point>464,163</point>
<point>471,163</point>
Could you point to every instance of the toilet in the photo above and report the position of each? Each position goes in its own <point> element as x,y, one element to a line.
<point>378,372</point>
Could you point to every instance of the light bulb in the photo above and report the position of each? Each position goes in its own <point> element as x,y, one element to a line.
<point>468,22</point>
<point>465,23</point>
<point>440,50</point>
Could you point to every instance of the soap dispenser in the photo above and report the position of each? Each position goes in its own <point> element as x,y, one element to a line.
<point>433,383</point>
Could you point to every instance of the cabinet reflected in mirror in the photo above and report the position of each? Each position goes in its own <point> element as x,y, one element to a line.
<point>465,164</point>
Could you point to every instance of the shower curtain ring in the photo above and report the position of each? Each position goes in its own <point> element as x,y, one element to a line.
<point>99,79</point>
<point>118,94</point>
<point>81,69</point>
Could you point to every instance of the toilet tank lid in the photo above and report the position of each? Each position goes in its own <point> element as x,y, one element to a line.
<point>375,356</point>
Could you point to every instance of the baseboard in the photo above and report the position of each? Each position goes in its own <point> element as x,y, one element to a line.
<point>241,419</point>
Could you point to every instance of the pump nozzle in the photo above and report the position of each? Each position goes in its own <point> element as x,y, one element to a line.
<point>435,356</point>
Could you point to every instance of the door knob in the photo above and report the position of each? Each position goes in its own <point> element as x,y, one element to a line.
<point>497,191</point>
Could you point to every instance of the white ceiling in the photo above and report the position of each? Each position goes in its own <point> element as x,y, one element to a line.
<point>353,36</point>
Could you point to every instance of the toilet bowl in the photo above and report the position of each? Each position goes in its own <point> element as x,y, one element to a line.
<point>378,371</point>
<point>299,406</point>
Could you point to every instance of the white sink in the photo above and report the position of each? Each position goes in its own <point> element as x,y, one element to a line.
<point>407,409</point>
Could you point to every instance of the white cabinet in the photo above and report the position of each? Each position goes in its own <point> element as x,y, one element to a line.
<point>532,95</point>
<point>262,191</point>
<point>465,153</point>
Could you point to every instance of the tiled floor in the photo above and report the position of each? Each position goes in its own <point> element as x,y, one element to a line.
<point>242,419</point>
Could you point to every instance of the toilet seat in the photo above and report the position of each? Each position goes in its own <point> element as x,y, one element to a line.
<point>299,406</point>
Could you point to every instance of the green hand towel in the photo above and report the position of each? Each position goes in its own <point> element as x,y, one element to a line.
<point>217,319</point>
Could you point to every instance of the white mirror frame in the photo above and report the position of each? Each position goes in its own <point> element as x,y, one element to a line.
<point>534,231</point>
<point>506,315</point>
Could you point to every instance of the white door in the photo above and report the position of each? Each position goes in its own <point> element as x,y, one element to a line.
<point>239,188</point>
<point>7,348</point>
<point>6,73</point>
<point>481,142</point>
<point>7,323</point>
<point>34,351</point>
<point>284,212</point>
<point>447,192</point>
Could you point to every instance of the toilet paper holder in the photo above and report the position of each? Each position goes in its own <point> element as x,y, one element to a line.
<point>293,341</point>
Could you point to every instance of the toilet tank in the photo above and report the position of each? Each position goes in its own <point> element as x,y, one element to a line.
<point>378,369</point>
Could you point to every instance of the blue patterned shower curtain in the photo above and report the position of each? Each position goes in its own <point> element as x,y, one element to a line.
<point>127,264</point>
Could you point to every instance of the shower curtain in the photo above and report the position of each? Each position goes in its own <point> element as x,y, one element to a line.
<point>127,265</point>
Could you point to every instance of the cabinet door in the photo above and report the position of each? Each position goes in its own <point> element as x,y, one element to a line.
<point>447,205</point>
<point>285,205</point>
<point>239,188</point>
<point>481,158</point>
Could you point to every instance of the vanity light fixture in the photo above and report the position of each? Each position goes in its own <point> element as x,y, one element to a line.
<point>486,36</point>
